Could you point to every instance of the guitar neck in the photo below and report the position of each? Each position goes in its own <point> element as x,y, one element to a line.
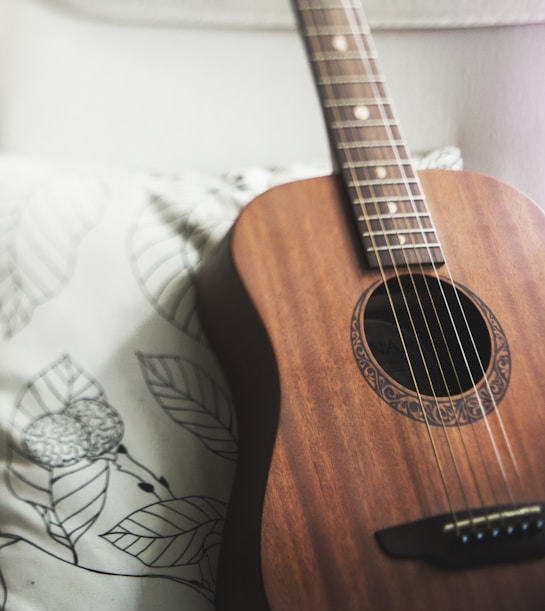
<point>390,210</point>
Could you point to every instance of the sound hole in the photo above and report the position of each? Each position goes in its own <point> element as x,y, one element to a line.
<point>428,336</point>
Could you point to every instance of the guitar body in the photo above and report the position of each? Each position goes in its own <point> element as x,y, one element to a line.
<point>328,457</point>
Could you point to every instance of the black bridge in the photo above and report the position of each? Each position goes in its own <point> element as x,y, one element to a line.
<point>468,539</point>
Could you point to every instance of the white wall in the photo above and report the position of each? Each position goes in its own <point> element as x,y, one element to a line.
<point>155,96</point>
<point>169,98</point>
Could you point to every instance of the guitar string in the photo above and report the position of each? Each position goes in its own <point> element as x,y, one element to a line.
<point>485,378</point>
<point>368,50</point>
<point>400,164</point>
<point>446,302</point>
<point>365,50</point>
<point>383,274</point>
<point>396,151</point>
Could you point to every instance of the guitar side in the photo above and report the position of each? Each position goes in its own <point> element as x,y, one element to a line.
<point>324,462</point>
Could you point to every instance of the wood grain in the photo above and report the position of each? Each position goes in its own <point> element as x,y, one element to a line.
<point>325,462</point>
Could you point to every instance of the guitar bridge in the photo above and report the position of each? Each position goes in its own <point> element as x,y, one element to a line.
<point>469,539</point>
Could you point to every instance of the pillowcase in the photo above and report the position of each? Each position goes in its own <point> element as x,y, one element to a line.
<point>119,439</point>
<point>394,14</point>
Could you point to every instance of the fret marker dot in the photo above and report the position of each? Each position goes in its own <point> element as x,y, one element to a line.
<point>392,208</point>
<point>362,113</point>
<point>381,172</point>
<point>340,43</point>
<point>402,239</point>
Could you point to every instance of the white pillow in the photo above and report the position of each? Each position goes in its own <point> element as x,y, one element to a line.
<point>394,14</point>
<point>118,434</point>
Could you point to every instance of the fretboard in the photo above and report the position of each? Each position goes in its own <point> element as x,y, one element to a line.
<point>383,188</point>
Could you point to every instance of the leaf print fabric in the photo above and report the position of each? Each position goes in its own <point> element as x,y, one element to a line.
<point>118,434</point>
<point>43,219</point>
<point>193,400</point>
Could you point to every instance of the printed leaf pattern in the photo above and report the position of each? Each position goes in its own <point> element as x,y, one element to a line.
<point>77,499</point>
<point>68,498</point>
<point>171,236</point>
<point>194,400</point>
<point>171,533</point>
<point>64,451</point>
<point>3,591</point>
<point>4,542</point>
<point>183,220</point>
<point>43,220</point>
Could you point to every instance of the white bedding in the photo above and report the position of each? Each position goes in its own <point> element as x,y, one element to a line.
<point>118,435</point>
<point>395,14</point>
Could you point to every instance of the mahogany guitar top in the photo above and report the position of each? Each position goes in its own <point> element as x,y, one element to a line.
<point>334,446</point>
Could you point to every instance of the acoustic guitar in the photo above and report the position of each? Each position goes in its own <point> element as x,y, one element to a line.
<point>383,334</point>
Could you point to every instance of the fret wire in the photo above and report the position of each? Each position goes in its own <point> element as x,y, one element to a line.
<point>403,246</point>
<point>379,173</point>
<point>386,182</point>
<point>332,56</point>
<point>383,217</point>
<point>359,91</point>
<point>403,231</point>
<point>418,215</point>
<point>325,31</point>
<point>351,80</point>
<point>370,200</point>
<point>410,224</point>
<point>359,124</point>
<point>375,163</point>
<point>343,102</point>
<point>363,144</point>
<point>394,200</point>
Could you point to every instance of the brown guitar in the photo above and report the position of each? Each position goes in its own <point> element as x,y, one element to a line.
<point>383,333</point>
